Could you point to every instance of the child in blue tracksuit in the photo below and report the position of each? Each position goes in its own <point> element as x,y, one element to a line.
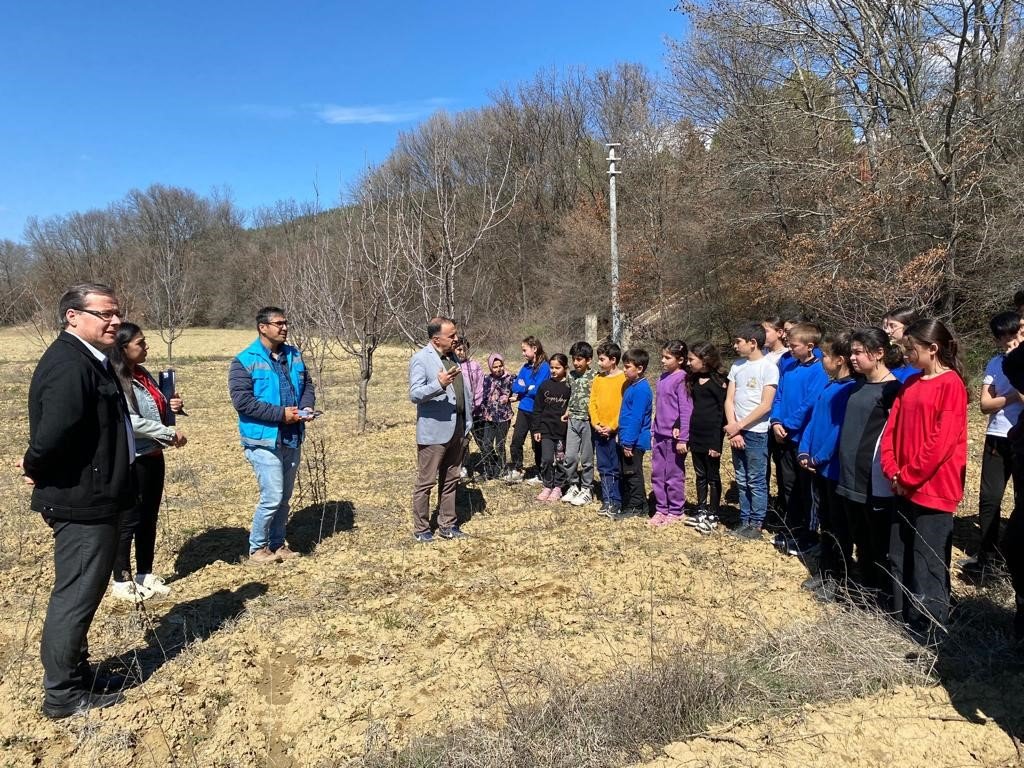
<point>799,386</point>
<point>535,371</point>
<point>818,455</point>
<point>634,433</point>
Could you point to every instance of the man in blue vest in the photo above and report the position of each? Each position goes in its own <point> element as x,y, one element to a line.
<point>274,396</point>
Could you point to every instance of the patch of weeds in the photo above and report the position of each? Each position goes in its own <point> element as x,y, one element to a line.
<point>392,620</point>
<point>569,723</point>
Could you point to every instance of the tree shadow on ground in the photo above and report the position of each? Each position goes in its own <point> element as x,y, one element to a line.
<point>981,667</point>
<point>312,524</point>
<point>186,623</point>
<point>229,544</point>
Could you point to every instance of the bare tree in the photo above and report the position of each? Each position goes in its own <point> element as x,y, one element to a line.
<point>450,187</point>
<point>166,225</point>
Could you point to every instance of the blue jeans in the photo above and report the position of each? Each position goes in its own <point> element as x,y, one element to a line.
<point>275,473</point>
<point>606,450</point>
<point>751,466</point>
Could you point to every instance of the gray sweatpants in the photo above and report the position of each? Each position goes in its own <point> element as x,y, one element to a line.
<point>579,454</point>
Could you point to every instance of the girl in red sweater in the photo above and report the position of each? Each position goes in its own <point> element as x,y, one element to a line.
<point>924,456</point>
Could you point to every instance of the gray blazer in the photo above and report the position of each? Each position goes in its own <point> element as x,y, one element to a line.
<point>435,407</point>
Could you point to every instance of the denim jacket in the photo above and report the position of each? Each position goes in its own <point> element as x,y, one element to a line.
<point>151,433</point>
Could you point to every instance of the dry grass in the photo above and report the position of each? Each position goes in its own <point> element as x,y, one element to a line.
<point>541,622</point>
<point>627,716</point>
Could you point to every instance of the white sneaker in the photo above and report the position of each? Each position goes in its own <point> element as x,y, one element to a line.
<point>570,494</point>
<point>514,476</point>
<point>130,592</point>
<point>153,583</point>
<point>535,480</point>
<point>582,498</point>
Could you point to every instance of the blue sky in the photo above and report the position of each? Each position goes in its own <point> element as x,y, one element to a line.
<point>265,99</point>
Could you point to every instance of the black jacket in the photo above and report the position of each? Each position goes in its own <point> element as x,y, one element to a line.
<point>1013,368</point>
<point>549,404</point>
<point>78,444</point>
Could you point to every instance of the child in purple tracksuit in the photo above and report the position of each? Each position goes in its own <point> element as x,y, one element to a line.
<point>669,438</point>
<point>473,381</point>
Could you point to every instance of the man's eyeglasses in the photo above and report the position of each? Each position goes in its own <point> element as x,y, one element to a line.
<point>278,323</point>
<point>105,316</point>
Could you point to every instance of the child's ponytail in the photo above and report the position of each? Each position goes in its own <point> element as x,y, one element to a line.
<point>927,332</point>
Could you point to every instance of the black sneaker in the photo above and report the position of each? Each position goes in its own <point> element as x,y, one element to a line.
<point>82,704</point>
<point>452,533</point>
<point>635,512</point>
<point>813,583</point>
<point>613,512</point>
<point>750,531</point>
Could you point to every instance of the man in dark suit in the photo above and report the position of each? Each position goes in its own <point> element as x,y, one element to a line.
<point>79,464</point>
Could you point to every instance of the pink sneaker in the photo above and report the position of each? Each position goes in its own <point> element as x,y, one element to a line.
<point>658,520</point>
<point>544,495</point>
<point>555,495</point>
<point>671,519</point>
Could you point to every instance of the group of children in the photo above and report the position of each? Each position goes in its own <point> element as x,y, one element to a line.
<point>867,432</point>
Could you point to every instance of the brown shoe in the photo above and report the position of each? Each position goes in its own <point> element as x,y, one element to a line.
<point>262,556</point>
<point>286,554</point>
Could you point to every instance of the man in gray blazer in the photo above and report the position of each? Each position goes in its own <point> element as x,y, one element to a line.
<point>444,416</point>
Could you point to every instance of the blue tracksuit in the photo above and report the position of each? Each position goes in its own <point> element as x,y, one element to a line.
<point>904,372</point>
<point>526,383</point>
<point>820,440</point>
<point>635,416</point>
<point>799,387</point>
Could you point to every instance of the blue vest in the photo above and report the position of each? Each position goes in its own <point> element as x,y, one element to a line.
<point>266,386</point>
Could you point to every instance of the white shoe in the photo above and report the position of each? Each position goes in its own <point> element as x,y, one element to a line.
<point>535,480</point>
<point>153,583</point>
<point>570,494</point>
<point>514,476</point>
<point>129,592</point>
<point>582,498</point>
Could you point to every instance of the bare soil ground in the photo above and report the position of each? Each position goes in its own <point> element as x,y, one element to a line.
<point>298,664</point>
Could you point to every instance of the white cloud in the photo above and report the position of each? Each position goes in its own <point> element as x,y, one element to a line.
<point>334,114</point>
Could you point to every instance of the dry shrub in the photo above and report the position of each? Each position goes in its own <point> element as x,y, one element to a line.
<point>625,717</point>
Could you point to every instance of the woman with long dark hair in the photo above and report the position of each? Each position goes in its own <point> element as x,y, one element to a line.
<point>924,456</point>
<point>149,411</point>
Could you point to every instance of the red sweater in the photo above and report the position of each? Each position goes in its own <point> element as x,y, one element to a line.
<point>925,440</point>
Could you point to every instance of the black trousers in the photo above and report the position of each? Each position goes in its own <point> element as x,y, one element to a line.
<point>552,466</point>
<point>836,543</point>
<point>634,491</point>
<point>1013,539</point>
<point>774,521</point>
<point>920,548</point>
<point>796,485</point>
<point>868,523</point>
<point>83,554</point>
<point>997,467</point>
<point>520,434</point>
<point>707,470</point>
<point>139,523</point>
<point>493,447</point>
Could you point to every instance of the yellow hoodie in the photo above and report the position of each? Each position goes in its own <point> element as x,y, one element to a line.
<point>606,399</point>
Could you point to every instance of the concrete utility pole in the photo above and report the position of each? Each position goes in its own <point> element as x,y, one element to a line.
<point>616,312</point>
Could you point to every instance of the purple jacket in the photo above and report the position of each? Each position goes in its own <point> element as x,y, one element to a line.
<point>672,406</point>
<point>473,378</point>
